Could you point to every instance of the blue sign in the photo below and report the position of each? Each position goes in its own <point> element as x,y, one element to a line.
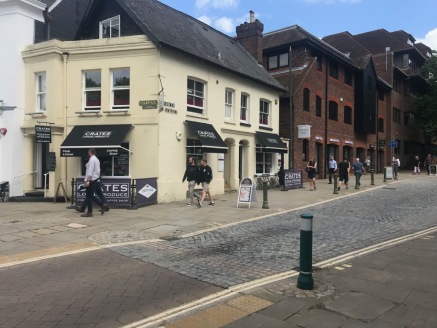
<point>393,144</point>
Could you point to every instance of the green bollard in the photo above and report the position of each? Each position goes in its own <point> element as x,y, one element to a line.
<point>385,175</point>
<point>265,201</point>
<point>335,183</point>
<point>305,279</point>
<point>372,178</point>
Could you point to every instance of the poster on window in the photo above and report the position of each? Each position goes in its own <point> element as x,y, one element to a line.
<point>116,191</point>
<point>293,179</point>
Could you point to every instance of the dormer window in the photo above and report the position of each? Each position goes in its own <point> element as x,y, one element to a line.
<point>110,28</point>
<point>410,42</point>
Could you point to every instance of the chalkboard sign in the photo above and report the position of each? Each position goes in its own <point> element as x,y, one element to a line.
<point>51,161</point>
<point>433,169</point>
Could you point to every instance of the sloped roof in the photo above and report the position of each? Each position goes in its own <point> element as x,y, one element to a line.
<point>423,48</point>
<point>173,29</point>
<point>296,34</point>
<point>378,40</point>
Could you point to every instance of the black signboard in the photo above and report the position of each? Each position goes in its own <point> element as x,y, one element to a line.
<point>43,134</point>
<point>116,190</point>
<point>51,161</point>
<point>381,144</point>
<point>147,191</point>
<point>293,179</point>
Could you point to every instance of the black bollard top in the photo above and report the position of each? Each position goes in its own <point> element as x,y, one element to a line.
<point>306,216</point>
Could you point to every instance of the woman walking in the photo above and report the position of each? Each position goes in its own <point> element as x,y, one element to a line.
<point>311,169</point>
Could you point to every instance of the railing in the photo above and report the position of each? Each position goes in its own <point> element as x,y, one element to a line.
<point>18,176</point>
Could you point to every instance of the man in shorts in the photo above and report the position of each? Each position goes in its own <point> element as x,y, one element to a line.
<point>343,173</point>
<point>205,178</point>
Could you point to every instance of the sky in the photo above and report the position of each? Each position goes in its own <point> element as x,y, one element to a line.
<point>319,17</point>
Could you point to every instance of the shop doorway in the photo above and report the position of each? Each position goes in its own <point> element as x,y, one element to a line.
<point>380,162</point>
<point>318,154</point>
<point>41,168</point>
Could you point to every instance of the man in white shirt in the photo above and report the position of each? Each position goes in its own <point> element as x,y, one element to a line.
<point>332,166</point>
<point>93,185</point>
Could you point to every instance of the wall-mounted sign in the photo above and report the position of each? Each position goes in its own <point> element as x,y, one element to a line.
<point>334,140</point>
<point>149,104</point>
<point>319,138</point>
<point>43,134</point>
<point>371,146</point>
<point>51,161</point>
<point>304,131</point>
<point>348,142</point>
<point>381,144</point>
<point>168,107</point>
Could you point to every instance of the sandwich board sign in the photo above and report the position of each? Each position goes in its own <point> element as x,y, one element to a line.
<point>246,192</point>
<point>389,172</point>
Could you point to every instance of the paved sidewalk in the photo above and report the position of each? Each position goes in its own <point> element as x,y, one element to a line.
<point>33,230</point>
<point>392,288</point>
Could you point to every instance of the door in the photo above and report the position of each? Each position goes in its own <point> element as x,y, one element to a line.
<point>42,155</point>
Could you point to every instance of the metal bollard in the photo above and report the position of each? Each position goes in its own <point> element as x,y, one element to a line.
<point>357,181</point>
<point>265,201</point>
<point>305,279</point>
<point>385,175</point>
<point>335,183</point>
<point>372,178</point>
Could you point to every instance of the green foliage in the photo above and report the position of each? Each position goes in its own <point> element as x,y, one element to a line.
<point>427,103</point>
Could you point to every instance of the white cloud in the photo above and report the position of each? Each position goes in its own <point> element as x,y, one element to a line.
<point>225,24</point>
<point>217,3</point>
<point>430,39</point>
<point>205,19</point>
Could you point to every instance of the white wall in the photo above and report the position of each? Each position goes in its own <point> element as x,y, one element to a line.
<point>16,31</point>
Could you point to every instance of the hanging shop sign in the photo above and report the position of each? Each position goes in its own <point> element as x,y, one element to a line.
<point>43,134</point>
<point>149,104</point>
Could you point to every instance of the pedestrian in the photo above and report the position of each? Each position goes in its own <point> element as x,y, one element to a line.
<point>416,165</point>
<point>191,175</point>
<point>311,170</point>
<point>396,164</point>
<point>332,167</point>
<point>367,165</point>
<point>343,173</point>
<point>205,178</point>
<point>93,185</point>
<point>358,171</point>
<point>427,163</point>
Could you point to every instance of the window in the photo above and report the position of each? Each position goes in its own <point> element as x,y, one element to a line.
<point>41,92</point>
<point>380,125</point>
<point>333,70</point>
<point>264,161</point>
<point>273,62</point>
<point>195,96</point>
<point>120,88</point>
<point>396,85</point>
<point>306,100</point>
<point>396,115</point>
<point>194,148</point>
<point>319,63</point>
<point>318,106</point>
<point>229,104</point>
<point>347,115</point>
<point>333,111</point>
<point>278,61</point>
<point>283,60</point>
<point>244,112</point>
<point>92,90</point>
<point>110,28</point>
<point>111,166</point>
<point>348,76</point>
<point>409,118</point>
<point>305,150</point>
<point>381,95</point>
<point>264,112</point>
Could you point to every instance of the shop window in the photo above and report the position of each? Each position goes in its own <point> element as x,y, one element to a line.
<point>264,161</point>
<point>348,76</point>
<point>333,70</point>
<point>111,166</point>
<point>333,111</point>
<point>110,28</point>
<point>318,106</point>
<point>120,88</point>
<point>41,92</point>
<point>194,148</point>
<point>244,110</point>
<point>92,90</point>
<point>380,125</point>
<point>229,104</point>
<point>264,113</point>
<point>195,96</point>
<point>347,115</point>
<point>306,99</point>
<point>305,150</point>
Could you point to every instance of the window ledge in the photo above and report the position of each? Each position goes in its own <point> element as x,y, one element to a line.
<point>230,122</point>
<point>117,112</point>
<point>261,127</point>
<point>189,114</point>
<point>89,113</point>
<point>245,124</point>
<point>37,114</point>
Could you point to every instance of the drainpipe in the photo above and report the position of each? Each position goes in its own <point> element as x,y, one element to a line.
<point>65,56</point>
<point>290,92</point>
<point>326,119</point>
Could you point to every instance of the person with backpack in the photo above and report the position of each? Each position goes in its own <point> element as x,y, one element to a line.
<point>205,178</point>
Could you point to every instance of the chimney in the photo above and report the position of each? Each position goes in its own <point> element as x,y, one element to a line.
<point>250,35</point>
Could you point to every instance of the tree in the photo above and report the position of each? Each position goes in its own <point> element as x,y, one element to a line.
<point>427,103</point>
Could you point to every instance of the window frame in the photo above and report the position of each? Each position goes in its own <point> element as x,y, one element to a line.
<point>267,158</point>
<point>347,117</point>
<point>306,100</point>
<point>245,108</point>
<point>39,93</point>
<point>348,76</point>
<point>264,114</point>
<point>331,115</point>
<point>85,90</point>
<point>397,114</point>
<point>110,20</point>
<point>333,70</point>
<point>229,104</point>
<point>318,106</point>
<point>197,110</point>
<point>114,89</point>
<point>381,125</point>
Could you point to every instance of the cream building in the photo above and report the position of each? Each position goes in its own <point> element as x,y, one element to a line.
<point>147,96</point>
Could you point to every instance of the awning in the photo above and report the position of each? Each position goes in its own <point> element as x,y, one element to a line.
<point>106,139</point>
<point>271,143</point>
<point>208,137</point>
